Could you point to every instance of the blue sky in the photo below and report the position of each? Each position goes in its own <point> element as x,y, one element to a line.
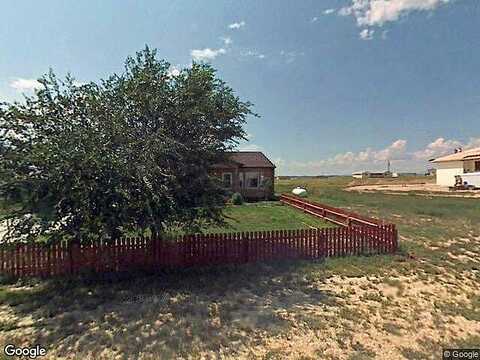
<point>341,85</point>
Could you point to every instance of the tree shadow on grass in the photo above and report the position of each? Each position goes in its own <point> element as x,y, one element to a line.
<point>164,315</point>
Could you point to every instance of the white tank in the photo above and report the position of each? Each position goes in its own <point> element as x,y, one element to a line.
<point>299,192</point>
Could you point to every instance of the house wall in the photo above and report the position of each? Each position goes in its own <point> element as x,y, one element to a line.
<point>239,181</point>
<point>260,192</point>
<point>446,172</point>
<point>469,165</point>
<point>232,170</point>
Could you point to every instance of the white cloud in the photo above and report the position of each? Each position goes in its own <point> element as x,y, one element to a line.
<point>324,12</point>
<point>290,56</point>
<point>402,159</point>
<point>206,54</point>
<point>473,143</point>
<point>395,151</point>
<point>21,84</point>
<point>253,53</point>
<point>237,25</point>
<point>345,11</point>
<point>441,147</point>
<point>368,159</point>
<point>227,40</point>
<point>366,34</point>
<point>379,12</point>
<point>437,148</point>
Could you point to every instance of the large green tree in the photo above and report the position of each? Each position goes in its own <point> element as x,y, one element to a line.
<point>130,153</point>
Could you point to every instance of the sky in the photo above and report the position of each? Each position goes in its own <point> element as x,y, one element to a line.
<point>340,85</point>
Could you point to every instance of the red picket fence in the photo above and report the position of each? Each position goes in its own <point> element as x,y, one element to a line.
<point>338,216</point>
<point>195,250</point>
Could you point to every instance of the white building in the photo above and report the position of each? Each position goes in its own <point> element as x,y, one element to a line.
<point>369,174</point>
<point>459,163</point>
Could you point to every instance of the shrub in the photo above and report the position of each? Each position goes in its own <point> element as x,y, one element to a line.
<point>275,197</point>
<point>237,199</point>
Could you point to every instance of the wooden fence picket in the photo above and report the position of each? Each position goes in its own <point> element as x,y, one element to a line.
<point>364,236</point>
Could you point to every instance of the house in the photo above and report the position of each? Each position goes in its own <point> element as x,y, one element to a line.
<point>459,163</point>
<point>249,173</point>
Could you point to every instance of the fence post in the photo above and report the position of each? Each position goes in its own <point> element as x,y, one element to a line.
<point>71,249</point>
<point>244,237</point>
<point>318,244</point>
<point>2,259</point>
<point>395,239</point>
<point>153,241</point>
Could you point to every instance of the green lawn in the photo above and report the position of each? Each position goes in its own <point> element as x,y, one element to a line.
<point>424,216</point>
<point>266,216</point>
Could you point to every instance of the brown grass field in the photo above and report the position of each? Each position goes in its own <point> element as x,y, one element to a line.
<point>406,306</point>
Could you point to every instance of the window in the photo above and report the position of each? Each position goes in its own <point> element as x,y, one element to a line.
<point>227,180</point>
<point>252,180</point>
<point>477,166</point>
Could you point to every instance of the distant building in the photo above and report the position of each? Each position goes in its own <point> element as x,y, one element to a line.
<point>380,174</point>
<point>408,174</point>
<point>461,162</point>
<point>369,174</point>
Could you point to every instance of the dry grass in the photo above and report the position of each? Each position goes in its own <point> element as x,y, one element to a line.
<point>406,306</point>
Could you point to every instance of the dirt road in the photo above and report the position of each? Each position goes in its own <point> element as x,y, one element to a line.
<point>421,189</point>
